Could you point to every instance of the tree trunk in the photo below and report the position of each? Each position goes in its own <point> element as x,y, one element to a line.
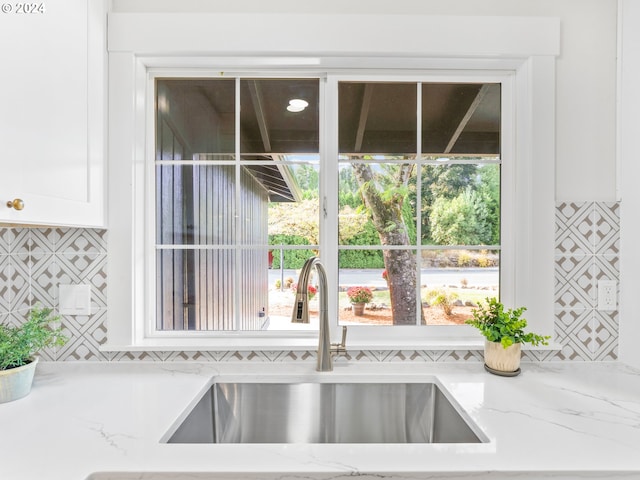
<point>401,264</point>
<point>401,272</point>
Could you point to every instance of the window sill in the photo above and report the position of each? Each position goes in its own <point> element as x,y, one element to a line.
<point>304,344</point>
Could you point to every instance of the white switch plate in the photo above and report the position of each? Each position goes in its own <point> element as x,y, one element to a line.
<point>607,295</point>
<point>75,299</point>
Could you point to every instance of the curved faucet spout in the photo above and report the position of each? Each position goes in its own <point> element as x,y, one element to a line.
<point>301,313</point>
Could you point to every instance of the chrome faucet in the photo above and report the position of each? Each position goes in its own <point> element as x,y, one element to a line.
<point>301,314</point>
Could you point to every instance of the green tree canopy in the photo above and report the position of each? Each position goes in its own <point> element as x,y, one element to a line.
<point>296,218</point>
<point>461,221</point>
<point>489,191</point>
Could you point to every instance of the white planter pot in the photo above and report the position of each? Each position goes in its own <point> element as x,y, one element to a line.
<point>496,357</point>
<point>16,382</point>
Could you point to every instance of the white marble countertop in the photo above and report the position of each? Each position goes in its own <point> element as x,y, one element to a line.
<point>105,421</point>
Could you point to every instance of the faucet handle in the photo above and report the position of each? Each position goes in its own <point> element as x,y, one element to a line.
<point>343,343</point>
<point>341,347</point>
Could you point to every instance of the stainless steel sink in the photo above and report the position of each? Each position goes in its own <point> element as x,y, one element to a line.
<point>325,413</point>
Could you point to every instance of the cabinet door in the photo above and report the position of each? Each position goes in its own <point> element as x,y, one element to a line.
<point>51,113</point>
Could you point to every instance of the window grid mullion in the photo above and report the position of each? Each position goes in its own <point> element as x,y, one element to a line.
<point>236,213</point>
<point>418,219</point>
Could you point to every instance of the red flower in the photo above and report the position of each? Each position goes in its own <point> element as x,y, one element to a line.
<point>311,290</point>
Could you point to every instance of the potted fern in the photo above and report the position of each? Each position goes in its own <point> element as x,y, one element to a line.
<point>504,334</point>
<point>18,344</point>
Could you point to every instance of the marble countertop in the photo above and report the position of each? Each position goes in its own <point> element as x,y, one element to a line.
<point>105,421</point>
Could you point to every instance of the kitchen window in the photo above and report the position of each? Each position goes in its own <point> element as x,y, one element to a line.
<point>243,186</point>
<point>516,54</point>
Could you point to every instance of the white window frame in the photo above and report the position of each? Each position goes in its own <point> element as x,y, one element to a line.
<point>364,334</point>
<point>527,69</point>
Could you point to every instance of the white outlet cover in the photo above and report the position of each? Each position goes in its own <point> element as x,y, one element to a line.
<point>74,299</point>
<point>607,295</point>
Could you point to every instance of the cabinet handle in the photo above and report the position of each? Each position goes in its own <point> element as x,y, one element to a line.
<point>16,203</point>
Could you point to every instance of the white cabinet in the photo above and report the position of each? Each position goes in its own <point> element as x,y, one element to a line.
<point>52,112</point>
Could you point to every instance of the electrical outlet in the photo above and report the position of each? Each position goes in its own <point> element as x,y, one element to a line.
<point>607,295</point>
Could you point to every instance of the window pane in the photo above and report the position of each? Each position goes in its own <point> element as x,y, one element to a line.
<point>388,292</point>
<point>253,207</point>
<point>375,205</point>
<point>286,178</point>
<point>195,289</point>
<point>210,199</point>
<point>460,204</point>
<point>199,113</point>
<point>279,116</point>
<point>379,197</point>
<point>453,282</point>
<point>377,118</point>
<point>296,220</point>
<point>195,204</point>
<point>253,295</point>
<point>460,118</point>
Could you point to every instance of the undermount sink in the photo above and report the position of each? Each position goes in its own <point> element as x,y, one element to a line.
<point>325,413</point>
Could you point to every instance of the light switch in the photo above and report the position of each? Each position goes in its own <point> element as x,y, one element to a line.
<point>75,299</point>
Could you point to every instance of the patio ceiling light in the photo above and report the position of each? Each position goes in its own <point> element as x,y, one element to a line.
<point>297,105</point>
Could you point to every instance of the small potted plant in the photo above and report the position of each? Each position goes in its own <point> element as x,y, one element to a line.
<point>504,333</point>
<point>18,344</point>
<point>359,296</point>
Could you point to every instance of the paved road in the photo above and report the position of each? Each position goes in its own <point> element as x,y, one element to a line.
<point>429,276</point>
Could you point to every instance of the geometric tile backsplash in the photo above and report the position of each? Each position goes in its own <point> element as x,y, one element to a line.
<point>34,261</point>
<point>587,250</point>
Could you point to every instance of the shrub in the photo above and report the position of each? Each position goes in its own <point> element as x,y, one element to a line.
<point>292,258</point>
<point>483,261</point>
<point>464,259</point>
<point>362,258</point>
<point>442,298</point>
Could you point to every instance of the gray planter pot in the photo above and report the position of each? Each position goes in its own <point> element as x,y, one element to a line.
<point>358,309</point>
<point>16,383</point>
